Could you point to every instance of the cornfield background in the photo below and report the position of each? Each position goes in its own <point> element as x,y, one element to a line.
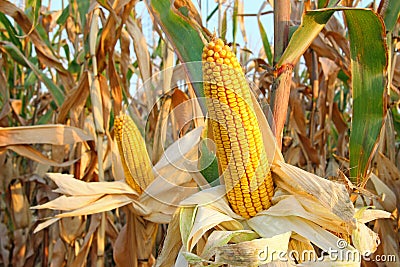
<point>65,75</point>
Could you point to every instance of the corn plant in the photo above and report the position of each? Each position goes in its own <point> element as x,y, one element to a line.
<point>108,109</point>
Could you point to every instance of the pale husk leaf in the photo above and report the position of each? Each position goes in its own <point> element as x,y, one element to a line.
<point>286,215</point>
<point>365,215</point>
<point>68,203</point>
<point>220,238</point>
<point>333,196</point>
<point>289,205</point>
<point>186,220</point>
<point>181,260</point>
<point>214,196</point>
<point>173,181</point>
<point>255,252</point>
<point>173,154</point>
<point>107,202</point>
<point>303,203</point>
<point>45,224</point>
<point>68,185</point>
<point>364,239</point>
<point>207,218</point>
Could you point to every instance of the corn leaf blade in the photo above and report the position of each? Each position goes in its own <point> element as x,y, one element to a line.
<point>179,31</point>
<point>369,63</point>
<point>392,14</point>
<point>17,55</point>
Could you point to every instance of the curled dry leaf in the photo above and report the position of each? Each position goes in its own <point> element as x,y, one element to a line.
<point>75,101</point>
<point>135,241</point>
<point>33,154</point>
<point>181,111</point>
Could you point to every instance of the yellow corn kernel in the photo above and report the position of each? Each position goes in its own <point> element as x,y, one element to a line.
<point>134,157</point>
<point>237,135</point>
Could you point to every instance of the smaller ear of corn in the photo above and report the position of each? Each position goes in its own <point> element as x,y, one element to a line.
<point>132,149</point>
<point>237,135</point>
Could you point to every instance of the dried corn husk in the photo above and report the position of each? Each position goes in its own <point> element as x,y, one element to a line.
<point>158,202</point>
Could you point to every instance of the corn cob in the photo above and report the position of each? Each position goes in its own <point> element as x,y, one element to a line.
<point>240,150</point>
<point>132,149</point>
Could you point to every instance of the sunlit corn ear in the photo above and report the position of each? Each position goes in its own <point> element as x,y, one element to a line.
<point>237,135</point>
<point>132,149</point>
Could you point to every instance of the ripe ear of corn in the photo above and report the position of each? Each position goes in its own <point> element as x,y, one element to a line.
<point>132,149</point>
<point>237,135</point>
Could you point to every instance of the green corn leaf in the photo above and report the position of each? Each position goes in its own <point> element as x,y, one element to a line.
<point>30,80</point>
<point>12,34</point>
<point>46,118</point>
<point>17,55</point>
<point>327,3</point>
<point>264,36</point>
<point>64,16</point>
<point>34,6</point>
<point>368,66</point>
<point>83,8</point>
<point>392,14</point>
<point>313,23</point>
<point>178,31</point>
<point>212,13</point>
<point>369,62</point>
